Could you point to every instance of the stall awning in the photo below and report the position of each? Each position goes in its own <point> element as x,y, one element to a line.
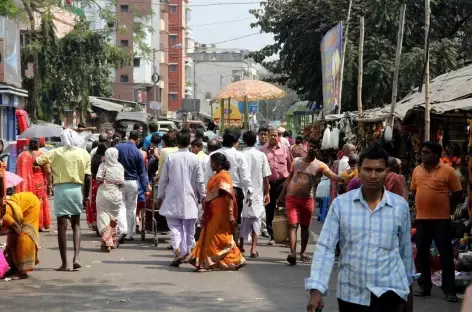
<point>105,105</point>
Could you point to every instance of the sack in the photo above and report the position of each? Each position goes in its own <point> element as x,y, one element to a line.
<point>3,265</point>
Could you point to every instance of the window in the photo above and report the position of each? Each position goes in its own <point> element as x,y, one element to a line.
<point>137,62</point>
<point>173,97</point>
<point>124,43</point>
<point>124,78</point>
<point>124,8</point>
<point>173,39</point>
<point>173,8</point>
<point>173,68</point>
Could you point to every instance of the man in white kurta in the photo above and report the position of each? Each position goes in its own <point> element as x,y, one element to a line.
<point>260,172</point>
<point>180,189</point>
<point>240,174</point>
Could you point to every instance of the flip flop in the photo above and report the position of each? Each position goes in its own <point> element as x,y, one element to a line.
<point>292,259</point>
<point>305,258</point>
<point>177,262</point>
<point>255,255</point>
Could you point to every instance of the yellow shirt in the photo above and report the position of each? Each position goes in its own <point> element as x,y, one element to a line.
<point>163,155</point>
<point>68,165</point>
<point>201,155</point>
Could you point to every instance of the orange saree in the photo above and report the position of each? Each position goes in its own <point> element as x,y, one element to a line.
<point>216,248</point>
<point>34,182</point>
<point>23,209</point>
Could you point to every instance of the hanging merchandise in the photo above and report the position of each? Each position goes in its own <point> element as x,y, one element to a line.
<point>325,144</point>
<point>388,134</point>
<point>334,138</point>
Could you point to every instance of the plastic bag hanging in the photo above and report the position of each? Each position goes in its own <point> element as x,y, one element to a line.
<point>334,138</point>
<point>325,143</point>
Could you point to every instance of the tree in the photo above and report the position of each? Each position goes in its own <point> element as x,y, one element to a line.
<point>82,35</point>
<point>72,68</point>
<point>299,25</point>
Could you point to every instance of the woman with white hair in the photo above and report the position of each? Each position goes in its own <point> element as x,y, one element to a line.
<point>70,166</point>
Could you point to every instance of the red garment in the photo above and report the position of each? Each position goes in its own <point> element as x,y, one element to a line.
<point>396,184</point>
<point>299,210</point>
<point>91,211</point>
<point>34,181</point>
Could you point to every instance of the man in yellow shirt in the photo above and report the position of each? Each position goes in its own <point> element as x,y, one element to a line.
<point>170,146</point>
<point>197,149</point>
<point>70,166</point>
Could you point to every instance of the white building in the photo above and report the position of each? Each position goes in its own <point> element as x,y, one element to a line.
<point>214,68</point>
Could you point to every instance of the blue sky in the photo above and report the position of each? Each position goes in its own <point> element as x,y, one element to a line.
<point>239,26</point>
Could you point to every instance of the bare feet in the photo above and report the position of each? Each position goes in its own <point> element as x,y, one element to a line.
<point>63,268</point>
<point>76,265</point>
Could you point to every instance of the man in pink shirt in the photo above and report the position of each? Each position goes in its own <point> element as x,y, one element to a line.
<point>280,161</point>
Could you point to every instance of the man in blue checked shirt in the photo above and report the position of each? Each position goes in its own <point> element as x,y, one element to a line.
<point>373,227</point>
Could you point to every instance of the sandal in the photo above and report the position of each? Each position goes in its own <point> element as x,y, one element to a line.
<point>292,259</point>
<point>305,258</point>
<point>177,262</point>
<point>255,255</point>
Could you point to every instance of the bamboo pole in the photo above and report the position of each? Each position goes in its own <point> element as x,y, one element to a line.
<point>401,30</point>
<point>222,116</point>
<point>427,117</point>
<point>343,55</point>
<point>360,69</point>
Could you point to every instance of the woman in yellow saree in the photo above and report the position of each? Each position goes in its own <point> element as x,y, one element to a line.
<point>216,248</point>
<point>20,216</point>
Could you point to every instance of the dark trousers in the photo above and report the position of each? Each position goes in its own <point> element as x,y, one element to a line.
<point>440,232</point>
<point>388,302</point>
<point>239,194</point>
<point>275,190</point>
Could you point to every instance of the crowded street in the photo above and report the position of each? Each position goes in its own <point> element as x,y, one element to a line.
<point>137,277</point>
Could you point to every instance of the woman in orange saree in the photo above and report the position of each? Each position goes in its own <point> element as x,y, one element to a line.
<point>37,180</point>
<point>20,216</point>
<point>216,248</point>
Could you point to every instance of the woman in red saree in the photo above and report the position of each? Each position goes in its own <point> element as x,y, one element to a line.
<point>37,180</point>
<point>216,248</point>
<point>91,210</point>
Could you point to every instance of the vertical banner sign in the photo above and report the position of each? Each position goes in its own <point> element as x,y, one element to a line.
<point>331,51</point>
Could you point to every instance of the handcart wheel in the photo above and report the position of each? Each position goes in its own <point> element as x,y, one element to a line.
<point>156,241</point>
<point>143,234</point>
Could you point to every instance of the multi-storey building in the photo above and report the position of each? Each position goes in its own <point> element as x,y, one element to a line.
<point>179,42</point>
<point>134,82</point>
<point>214,68</point>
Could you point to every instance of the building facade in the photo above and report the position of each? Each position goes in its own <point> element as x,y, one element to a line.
<point>134,82</point>
<point>179,42</point>
<point>214,68</point>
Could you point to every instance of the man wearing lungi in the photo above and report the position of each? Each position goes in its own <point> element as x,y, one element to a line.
<point>71,170</point>
<point>260,172</point>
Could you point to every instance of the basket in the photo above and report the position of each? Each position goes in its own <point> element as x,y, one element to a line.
<point>280,228</point>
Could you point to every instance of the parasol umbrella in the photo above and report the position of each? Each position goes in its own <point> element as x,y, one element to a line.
<point>42,131</point>
<point>12,179</point>
<point>249,90</point>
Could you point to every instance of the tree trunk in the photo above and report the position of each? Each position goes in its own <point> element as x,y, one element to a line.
<point>32,106</point>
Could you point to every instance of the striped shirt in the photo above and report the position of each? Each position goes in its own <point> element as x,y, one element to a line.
<point>376,253</point>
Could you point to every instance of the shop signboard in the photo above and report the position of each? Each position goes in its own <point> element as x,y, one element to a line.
<point>331,51</point>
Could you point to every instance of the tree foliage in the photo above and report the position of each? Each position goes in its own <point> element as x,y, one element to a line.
<point>299,25</point>
<point>89,67</point>
<point>72,68</point>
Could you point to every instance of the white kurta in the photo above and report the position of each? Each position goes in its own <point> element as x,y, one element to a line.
<point>181,185</point>
<point>240,173</point>
<point>259,168</point>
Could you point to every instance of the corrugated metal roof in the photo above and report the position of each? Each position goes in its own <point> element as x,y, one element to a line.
<point>105,105</point>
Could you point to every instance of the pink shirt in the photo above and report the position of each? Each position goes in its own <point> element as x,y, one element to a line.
<point>280,161</point>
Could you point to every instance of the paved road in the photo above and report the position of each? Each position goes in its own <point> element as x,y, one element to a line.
<point>137,277</point>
